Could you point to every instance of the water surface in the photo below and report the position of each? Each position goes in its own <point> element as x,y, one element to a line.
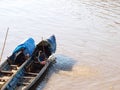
<point>88,39</point>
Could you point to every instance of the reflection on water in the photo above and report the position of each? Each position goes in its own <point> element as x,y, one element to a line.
<point>66,72</point>
<point>86,30</point>
<point>63,63</point>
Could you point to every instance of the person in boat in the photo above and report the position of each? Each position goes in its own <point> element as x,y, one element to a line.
<point>20,57</point>
<point>41,58</point>
<point>39,61</point>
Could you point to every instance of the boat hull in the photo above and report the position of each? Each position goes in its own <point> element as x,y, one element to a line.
<point>8,68</point>
<point>30,72</point>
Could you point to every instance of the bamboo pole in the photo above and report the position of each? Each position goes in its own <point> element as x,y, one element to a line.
<point>4,44</point>
<point>43,48</point>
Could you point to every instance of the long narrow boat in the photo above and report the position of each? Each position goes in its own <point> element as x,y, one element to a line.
<point>10,66</point>
<point>30,72</point>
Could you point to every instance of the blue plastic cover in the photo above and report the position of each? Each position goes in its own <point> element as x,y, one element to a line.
<point>28,45</point>
<point>52,42</point>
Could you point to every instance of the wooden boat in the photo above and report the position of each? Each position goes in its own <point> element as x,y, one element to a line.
<point>30,72</point>
<point>10,66</point>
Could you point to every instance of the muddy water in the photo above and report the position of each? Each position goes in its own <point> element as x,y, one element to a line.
<point>88,39</point>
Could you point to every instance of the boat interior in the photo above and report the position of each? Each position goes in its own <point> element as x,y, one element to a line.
<point>7,70</point>
<point>33,67</point>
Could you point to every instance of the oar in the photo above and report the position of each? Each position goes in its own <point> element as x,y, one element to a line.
<point>4,44</point>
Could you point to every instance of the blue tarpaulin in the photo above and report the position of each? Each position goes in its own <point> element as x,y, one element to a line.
<point>28,45</point>
<point>52,42</point>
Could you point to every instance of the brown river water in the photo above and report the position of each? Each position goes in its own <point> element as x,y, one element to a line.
<point>88,39</point>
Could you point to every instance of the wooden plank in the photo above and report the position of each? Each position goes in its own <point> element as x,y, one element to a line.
<point>26,77</point>
<point>1,83</point>
<point>14,67</point>
<point>3,79</point>
<point>23,83</point>
<point>31,73</point>
<point>6,72</point>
